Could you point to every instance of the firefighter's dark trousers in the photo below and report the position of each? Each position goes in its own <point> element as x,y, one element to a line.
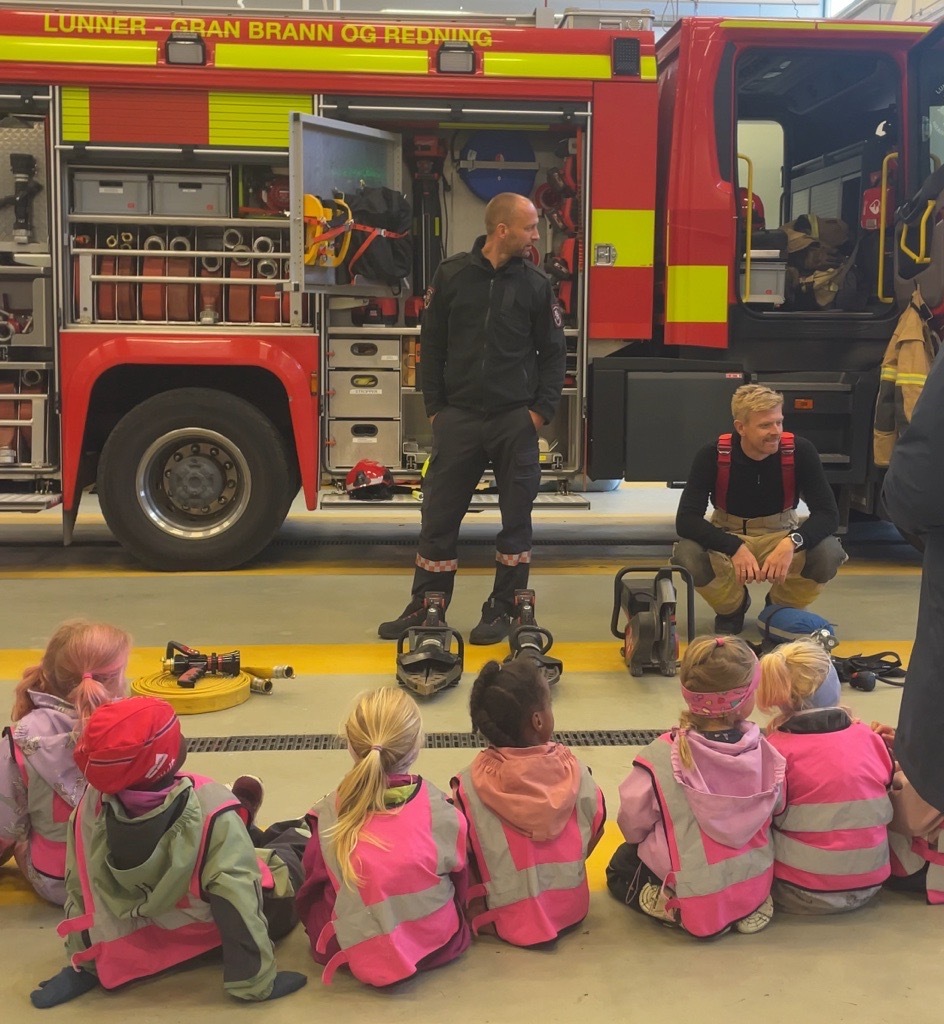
<point>464,443</point>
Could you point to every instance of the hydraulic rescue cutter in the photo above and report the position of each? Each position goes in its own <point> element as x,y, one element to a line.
<point>430,664</point>
<point>650,634</point>
<point>529,640</point>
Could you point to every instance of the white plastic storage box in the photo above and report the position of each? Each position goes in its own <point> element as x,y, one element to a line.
<point>349,441</point>
<point>768,281</point>
<point>364,394</point>
<point>380,353</point>
<point>178,194</point>
<point>110,192</point>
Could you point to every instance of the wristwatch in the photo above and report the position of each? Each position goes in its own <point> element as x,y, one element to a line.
<point>797,539</point>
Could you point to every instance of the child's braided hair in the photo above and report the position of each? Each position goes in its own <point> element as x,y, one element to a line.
<point>504,696</point>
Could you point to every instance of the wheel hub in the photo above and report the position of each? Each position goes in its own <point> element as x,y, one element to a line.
<point>193,483</point>
<point>199,479</point>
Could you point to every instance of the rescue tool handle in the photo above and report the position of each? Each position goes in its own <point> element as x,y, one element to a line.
<point>662,572</point>
<point>542,638</point>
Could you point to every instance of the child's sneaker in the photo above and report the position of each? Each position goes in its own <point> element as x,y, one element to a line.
<point>652,902</point>
<point>249,792</point>
<point>757,921</point>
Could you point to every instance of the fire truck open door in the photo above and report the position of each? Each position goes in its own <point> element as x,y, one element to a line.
<point>622,213</point>
<point>919,231</point>
<point>329,162</point>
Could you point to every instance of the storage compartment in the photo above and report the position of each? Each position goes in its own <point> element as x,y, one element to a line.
<point>349,441</point>
<point>364,394</point>
<point>379,353</point>
<point>177,194</point>
<point>702,404</point>
<point>107,192</point>
<point>768,279</point>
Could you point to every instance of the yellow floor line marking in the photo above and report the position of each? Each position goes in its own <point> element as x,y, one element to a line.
<point>15,891</point>
<point>603,852</point>
<point>379,658</point>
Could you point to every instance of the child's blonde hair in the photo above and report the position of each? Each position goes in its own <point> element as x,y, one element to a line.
<point>84,663</point>
<point>384,734</point>
<point>789,675</point>
<point>712,665</point>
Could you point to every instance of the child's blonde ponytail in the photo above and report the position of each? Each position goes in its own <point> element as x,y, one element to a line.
<point>384,734</point>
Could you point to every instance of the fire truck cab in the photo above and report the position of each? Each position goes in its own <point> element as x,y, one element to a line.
<point>172,331</point>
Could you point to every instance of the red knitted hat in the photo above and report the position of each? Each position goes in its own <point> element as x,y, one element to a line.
<point>128,743</point>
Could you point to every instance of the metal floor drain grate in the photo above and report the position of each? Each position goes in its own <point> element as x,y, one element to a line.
<point>434,741</point>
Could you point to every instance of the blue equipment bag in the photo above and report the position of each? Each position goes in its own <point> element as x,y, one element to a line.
<point>780,624</point>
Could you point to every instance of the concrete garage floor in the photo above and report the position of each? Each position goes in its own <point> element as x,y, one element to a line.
<point>313,600</point>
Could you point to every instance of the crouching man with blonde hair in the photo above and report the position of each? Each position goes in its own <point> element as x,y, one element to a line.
<point>754,479</point>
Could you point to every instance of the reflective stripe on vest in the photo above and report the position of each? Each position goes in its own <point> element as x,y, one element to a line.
<point>792,853</point>
<point>48,814</point>
<point>743,879</point>
<point>787,470</point>
<point>832,816</point>
<point>505,884</point>
<point>124,949</point>
<point>359,925</point>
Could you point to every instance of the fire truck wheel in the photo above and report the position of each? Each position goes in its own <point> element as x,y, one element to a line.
<point>194,479</point>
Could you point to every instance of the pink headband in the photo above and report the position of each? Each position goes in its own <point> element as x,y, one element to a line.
<point>716,705</point>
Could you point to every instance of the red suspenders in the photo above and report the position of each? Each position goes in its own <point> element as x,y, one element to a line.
<point>787,470</point>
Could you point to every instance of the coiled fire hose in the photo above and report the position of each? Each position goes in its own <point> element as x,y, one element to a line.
<point>194,683</point>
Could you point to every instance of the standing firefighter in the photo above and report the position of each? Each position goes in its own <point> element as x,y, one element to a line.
<point>492,373</point>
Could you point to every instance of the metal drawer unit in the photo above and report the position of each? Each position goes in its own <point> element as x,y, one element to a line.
<point>349,441</point>
<point>363,400</point>
<point>364,394</point>
<point>377,353</point>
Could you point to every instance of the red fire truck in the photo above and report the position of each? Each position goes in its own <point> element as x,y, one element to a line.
<point>173,331</point>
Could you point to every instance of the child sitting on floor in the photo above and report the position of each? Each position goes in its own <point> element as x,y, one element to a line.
<point>534,811</point>
<point>385,870</point>
<point>161,868</point>
<point>830,842</point>
<point>696,808</point>
<point>82,667</point>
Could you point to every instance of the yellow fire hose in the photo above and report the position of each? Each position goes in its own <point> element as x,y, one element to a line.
<point>212,690</point>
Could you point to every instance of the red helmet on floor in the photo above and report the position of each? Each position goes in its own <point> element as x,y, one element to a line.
<point>369,481</point>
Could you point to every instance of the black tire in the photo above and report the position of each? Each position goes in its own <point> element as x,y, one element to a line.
<point>225,502</point>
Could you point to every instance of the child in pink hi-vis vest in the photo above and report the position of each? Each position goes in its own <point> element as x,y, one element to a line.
<point>386,868</point>
<point>696,808</point>
<point>534,811</point>
<point>831,841</point>
<point>161,867</point>
<point>82,667</point>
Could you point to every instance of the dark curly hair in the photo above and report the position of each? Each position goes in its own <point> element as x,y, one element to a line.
<point>503,698</point>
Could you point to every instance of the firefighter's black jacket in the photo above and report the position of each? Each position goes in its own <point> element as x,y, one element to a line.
<point>492,340</point>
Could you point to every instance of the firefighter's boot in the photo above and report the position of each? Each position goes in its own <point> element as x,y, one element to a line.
<point>495,623</point>
<point>415,612</point>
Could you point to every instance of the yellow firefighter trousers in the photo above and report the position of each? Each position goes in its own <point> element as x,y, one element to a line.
<point>761,535</point>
